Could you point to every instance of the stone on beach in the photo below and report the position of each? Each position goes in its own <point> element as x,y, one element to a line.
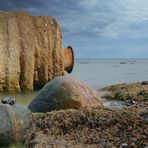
<point>14,120</point>
<point>8,100</point>
<point>124,91</point>
<point>144,83</point>
<point>64,92</point>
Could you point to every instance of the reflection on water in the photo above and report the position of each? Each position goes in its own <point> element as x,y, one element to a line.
<point>23,99</point>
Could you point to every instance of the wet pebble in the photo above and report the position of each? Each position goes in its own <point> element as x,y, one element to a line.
<point>124,145</point>
<point>8,100</point>
<point>144,114</point>
<point>130,102</point>
<point>144,83</point>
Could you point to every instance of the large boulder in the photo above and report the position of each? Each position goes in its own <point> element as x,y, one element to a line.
<point>14,121</point>
<point>64,92</point>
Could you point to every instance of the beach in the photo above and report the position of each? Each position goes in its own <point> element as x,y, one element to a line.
<point>89,127</point>
<point>120,122</point>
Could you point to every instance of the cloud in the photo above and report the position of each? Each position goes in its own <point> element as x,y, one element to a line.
<point>109,18</point>
<point>101,26</point>
<point>130,14</point>
<point>20,4</point>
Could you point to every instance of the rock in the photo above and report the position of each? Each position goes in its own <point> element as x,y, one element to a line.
<point>123,92</point>
<point>31,51</point>
<point>64,92</point>
<point>14,120</point>
<point>130,102</point>
<point>123,62</point>
<point>144,83</point>
<point>144,113</point>
<point>9,100</point>
<point>124,145</point>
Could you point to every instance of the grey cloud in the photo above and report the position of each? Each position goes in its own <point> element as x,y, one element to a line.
<point>19,4</point>
<point>77,17</point>
<point>96,17</point>
<point>85,22</point>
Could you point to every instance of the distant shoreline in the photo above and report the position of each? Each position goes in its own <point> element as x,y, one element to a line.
<point>111,58</point>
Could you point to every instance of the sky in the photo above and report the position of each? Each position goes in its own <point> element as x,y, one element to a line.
<point>95,28</point>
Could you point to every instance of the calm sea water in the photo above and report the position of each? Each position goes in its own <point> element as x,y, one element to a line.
<point>99,73</point>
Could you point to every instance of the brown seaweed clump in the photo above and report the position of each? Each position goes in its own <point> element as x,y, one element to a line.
<point>135,91</point>
<point>89,127</point>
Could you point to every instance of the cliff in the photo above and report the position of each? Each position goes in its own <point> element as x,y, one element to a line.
<point>31,51</point>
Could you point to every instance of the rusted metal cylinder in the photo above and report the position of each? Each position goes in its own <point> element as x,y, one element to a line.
<point>68,59</point>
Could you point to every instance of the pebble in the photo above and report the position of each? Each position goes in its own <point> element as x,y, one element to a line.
<point>123,145</point>
<point>8,100</point>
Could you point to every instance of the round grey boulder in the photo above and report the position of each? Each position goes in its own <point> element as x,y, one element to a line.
<point>64,92</point>
<point>14,121</point>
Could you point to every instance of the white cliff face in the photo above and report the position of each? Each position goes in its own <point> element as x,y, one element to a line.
<point>30,51</point>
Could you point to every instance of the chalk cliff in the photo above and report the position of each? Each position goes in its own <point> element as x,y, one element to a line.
<point>30,51</point>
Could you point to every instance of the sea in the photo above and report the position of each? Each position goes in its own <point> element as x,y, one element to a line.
<point>102,72</point>
<point>98,73</point>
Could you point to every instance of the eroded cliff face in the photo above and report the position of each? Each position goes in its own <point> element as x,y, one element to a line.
<point>30,51</point>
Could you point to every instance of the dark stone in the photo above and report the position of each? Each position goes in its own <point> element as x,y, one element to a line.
<point>64,92</point>
<point>123,62</point>
<point>130,102</point>
<point>144,83</point>
<point>9,100</point>
<point>144,114</point>
<point>14,120</point>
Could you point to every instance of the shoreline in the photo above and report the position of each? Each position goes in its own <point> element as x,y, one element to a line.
<point>107,126</point>
<point>116,124</point>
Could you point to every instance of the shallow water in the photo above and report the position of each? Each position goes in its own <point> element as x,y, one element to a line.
<point>114,104</point>
<point>99,73</point>
<point>23,99</point>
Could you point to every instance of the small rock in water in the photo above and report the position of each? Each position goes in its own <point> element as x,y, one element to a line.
<point>124,62</point>
<point>8,100</point>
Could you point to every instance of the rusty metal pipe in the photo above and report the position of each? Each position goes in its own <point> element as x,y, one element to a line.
<point>68,59</point>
